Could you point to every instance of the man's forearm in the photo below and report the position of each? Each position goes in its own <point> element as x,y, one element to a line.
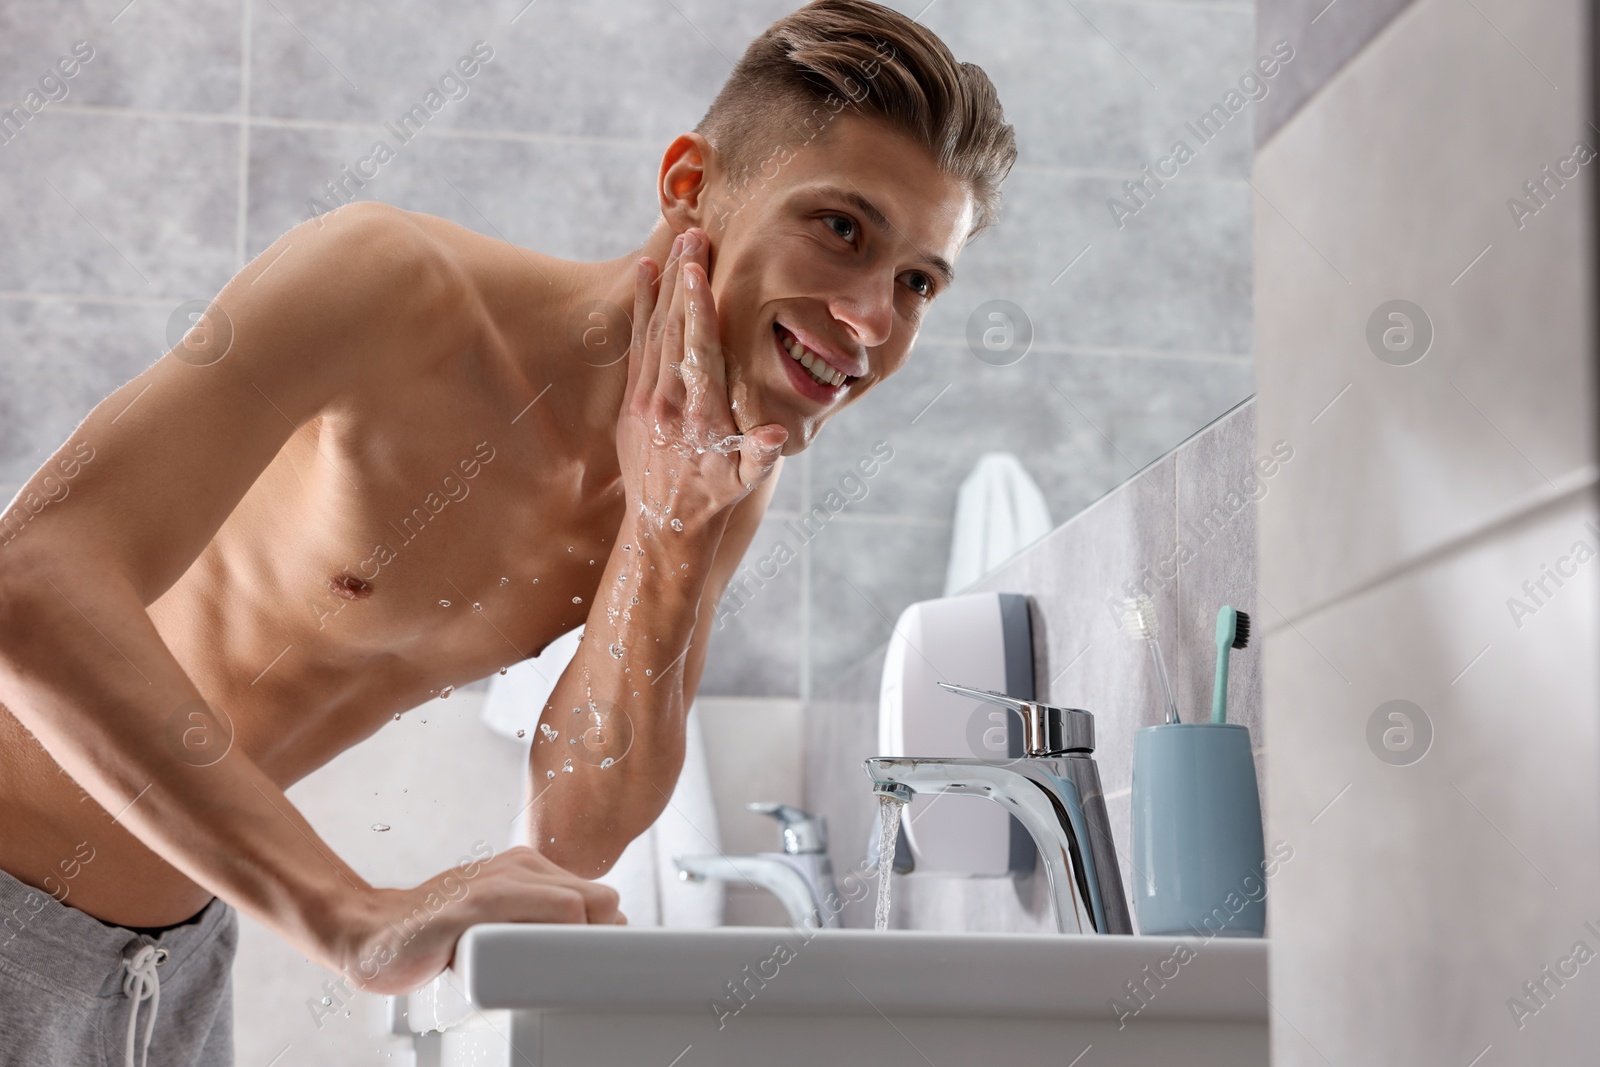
<point>85,670</point>
<point>610,745</point>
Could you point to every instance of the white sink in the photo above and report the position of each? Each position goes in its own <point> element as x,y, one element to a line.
<point>561,996</point>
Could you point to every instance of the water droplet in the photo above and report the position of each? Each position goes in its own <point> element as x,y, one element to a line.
<point>550,732</point>
<point>347,1015</point>
<point>622,577</point>
<point>424,722</point>
<point>676,524</point>
<point>683,566</point>
<point>505,581</point>
<point>522,733</point>
<point>648,672</point>
<point>627,548</point>
<point>536,581</point>
<point>476,606</point>
<point>327,1000</point>
<point>566,768</point>
<point>549,774</point>
<point>504,669</point>
<point>444,694</point>
<point>577,600</point>
<point>635,692</point>
<point>397,716</point>
<point>569,548</point>
<point>591,563</point>
<point>381,827</point>
<point>633,600</point>
<point>608,761</point>
<point>444,603</point>
<point>617,651</point>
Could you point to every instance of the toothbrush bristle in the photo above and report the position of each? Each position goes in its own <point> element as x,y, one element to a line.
<point>1139,617</point>
<point>1241,633</point>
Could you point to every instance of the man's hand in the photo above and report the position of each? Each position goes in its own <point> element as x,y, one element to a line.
<point>684,461</point>
<point>408,936</point>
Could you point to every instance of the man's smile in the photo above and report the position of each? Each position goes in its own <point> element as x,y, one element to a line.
<point>816,374</point>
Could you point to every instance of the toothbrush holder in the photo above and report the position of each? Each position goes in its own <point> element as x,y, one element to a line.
<point>1198,866</point>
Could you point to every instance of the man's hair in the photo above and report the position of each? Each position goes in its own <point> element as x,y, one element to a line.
<point>831,54</point>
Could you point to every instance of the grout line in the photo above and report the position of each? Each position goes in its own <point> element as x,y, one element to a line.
<point>1530,507</point>
<point>228,118</point>
<point>1246,358</point>
<point>240,224</point>
<point>21,296</point>
<point>805,582</point>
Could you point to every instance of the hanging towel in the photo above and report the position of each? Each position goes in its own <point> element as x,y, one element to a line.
<point>999,512</point>
<point>643,876</point>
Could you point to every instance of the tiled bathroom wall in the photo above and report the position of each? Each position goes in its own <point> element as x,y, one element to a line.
<point>1431,681</point>
<point>1182,531</point>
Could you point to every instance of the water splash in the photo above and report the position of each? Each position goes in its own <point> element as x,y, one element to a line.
<point>549,732</point>
<point>889,810</point>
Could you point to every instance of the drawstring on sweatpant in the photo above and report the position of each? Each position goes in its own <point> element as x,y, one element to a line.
<point>141,983</point>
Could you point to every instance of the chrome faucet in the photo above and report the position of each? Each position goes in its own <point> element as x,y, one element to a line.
<point>801,876</point>
<point>1053,790</point>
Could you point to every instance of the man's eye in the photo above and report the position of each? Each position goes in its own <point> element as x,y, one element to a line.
<point>919,283</point>
<point>842,225</point>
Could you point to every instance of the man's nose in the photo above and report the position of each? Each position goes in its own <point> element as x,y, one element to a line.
<point>868,310</point>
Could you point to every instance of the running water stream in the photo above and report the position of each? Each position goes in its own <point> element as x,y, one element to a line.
<point>889,810</point>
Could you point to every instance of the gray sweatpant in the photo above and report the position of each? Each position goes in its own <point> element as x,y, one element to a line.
<point>68,984</point>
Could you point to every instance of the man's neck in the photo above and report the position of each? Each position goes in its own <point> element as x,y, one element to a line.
<point>589,395</point>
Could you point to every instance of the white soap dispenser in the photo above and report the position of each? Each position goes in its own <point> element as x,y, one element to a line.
<point>983,641</point>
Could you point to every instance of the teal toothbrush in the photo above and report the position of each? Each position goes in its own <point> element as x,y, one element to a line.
<point>1233,631</point>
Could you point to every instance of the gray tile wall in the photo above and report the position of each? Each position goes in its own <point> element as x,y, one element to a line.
<point>1184,531</point>
<point>200,131</point>
<point>1446,858</point>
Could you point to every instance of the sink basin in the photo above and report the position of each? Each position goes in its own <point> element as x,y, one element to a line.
<point>561,996</point>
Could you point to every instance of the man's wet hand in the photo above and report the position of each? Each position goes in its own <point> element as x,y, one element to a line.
<point>684,460</point>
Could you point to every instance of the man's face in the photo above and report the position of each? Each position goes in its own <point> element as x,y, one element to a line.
<point>837,246</point>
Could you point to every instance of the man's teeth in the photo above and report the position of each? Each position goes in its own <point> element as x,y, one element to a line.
<point>824,374</point>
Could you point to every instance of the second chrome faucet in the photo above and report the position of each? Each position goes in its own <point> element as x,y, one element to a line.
<point>801,876</point>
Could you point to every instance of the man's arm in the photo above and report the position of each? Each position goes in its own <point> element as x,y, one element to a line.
<point>695,495</point>
<point>314,319</point>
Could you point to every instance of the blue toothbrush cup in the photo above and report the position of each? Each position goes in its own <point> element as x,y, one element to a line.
<point>1198,863</point>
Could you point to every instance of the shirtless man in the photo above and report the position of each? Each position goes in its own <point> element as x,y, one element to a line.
<point>241,558</point>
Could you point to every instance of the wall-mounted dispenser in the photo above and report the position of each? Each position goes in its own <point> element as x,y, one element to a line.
<point>981,640</point>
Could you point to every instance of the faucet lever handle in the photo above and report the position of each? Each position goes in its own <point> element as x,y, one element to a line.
<point>1047,730</point>
<point>802,831</point>
<point>988,695</point>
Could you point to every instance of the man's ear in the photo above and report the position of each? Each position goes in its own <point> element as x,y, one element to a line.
<point>688,170</point>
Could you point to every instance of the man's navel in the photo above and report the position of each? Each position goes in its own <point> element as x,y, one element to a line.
<point>350,587</point>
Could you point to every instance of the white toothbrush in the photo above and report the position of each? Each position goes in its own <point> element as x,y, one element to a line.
<point>1139,619</point>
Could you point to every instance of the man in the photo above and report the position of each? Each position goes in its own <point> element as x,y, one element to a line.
<point>395,456</point>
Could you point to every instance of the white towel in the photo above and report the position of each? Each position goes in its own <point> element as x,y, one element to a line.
<point>999,512</point>
<point>643,876</point>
